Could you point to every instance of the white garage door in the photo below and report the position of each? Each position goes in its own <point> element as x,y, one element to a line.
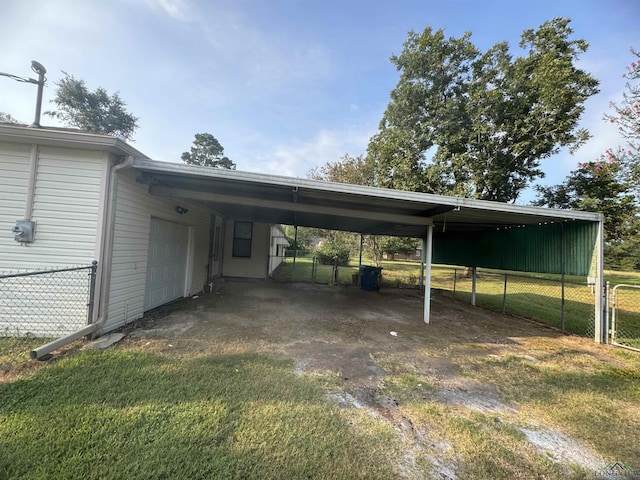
<point>166,263</point>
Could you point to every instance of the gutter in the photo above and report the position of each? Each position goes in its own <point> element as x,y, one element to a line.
<point>103,287</point>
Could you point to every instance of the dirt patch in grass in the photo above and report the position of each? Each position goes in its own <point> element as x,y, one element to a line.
<point>470,395</point>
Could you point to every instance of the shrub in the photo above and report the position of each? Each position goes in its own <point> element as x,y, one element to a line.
<point>328,250</point>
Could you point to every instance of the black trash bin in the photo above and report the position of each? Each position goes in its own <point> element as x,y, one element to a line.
<point>370,278</point>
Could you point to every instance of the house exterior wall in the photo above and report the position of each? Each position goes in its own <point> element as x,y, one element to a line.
<point>66,198</point>
<point>134,209</point>
<point>66,206</point>
<point>278,243</point>
<point>14,180</point>
<point>256,265</point>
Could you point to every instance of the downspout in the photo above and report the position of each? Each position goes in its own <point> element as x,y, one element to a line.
<point>106,255</point>
<point>31,186</point>
<point>104,277</point>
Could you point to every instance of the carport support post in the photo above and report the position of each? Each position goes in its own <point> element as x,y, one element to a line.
<point>295,252</point>
<point>427,247</point>
<point>360,260</point>
<point>599,328</point>
<point>474,271</point>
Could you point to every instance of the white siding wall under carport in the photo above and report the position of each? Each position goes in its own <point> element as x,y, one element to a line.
<point>134,209</point>
<point>254,267</point>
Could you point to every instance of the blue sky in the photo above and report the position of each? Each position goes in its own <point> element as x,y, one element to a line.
<point>284,85</point>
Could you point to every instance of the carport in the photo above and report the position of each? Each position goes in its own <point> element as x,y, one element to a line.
<point>455,231</point>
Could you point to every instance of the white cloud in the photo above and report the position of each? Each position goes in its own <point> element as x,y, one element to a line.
<point>299,157</point>
<point>180,10</point>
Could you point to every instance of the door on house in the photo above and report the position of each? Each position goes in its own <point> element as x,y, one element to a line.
<point>166,263</point>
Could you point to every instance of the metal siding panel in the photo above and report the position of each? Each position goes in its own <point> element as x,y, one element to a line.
<point>532,248</point>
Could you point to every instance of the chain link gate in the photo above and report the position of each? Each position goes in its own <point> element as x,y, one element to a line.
<point>625,316</point>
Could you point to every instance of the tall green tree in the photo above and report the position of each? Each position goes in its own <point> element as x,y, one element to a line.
<point>96,111</point>
<point>478,124</point>
<point>208,152</point>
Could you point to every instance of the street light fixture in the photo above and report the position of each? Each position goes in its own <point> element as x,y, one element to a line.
<point>41,71</point>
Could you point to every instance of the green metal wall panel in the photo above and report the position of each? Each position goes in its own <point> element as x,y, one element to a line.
<point>529,248</point>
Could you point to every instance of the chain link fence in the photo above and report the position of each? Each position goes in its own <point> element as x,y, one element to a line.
<point>306,268</point>
<point>39,306</point>
<point>568,305</point>
<point>624,301</point>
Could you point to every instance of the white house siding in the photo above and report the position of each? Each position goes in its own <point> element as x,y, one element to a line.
<point>276,251</point>
<point>134,209</point>
<point>66,206</point>
<point>254,267</point>
<point>14,179</point>
<point>67,192</point>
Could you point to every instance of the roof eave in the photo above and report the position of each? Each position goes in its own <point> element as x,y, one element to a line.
<point>454,202</point>
<point>58,138</point>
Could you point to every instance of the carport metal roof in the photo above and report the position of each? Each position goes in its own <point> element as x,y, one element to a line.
<point>295,201</point>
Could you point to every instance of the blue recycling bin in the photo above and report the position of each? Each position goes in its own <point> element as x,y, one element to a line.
<point>370,278</point>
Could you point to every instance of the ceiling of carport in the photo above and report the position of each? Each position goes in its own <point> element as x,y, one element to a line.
<point>293,201</point>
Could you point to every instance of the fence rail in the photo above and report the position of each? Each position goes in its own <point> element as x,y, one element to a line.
<point>39,306</point>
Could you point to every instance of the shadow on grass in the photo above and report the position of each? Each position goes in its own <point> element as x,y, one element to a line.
<point>124,414</point>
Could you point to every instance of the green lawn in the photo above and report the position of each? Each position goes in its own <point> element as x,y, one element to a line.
<point>126,414</point>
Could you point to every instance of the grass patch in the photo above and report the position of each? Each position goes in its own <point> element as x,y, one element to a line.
<point>304,272</point>
<point>594,401</point>
<point>14,355</point>
<point>484,446</point>
<point>125,414</point>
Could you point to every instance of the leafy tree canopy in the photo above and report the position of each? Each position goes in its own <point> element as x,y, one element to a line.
<point>8,118</point>
<point>477,124</point>
<point>96,112</point>
<point>355,170</point>
<point>207,152</point>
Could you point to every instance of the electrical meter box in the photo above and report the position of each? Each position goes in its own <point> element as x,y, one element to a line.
<point>23,231</point>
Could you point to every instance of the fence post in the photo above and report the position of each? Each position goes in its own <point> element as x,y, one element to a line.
<point>313,270</point>
<point>607,332</point>
<point>504,295</point>
<point>92,291</point>
<point>562,304</point>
